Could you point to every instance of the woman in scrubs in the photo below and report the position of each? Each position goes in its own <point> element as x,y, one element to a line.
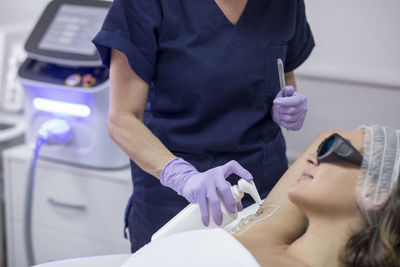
<point>205,71</point>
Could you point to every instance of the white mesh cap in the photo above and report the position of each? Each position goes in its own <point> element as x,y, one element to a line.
<point>379,170</point>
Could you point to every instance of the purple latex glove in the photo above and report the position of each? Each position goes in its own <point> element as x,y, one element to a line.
<point>198,187</point>
<point>290,111</point>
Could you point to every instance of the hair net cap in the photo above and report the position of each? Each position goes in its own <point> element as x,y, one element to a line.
<point>379,170</point>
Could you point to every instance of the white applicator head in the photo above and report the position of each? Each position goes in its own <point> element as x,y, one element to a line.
<point>250,188</point>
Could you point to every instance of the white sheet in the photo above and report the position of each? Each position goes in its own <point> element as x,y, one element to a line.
<point>200,248</point>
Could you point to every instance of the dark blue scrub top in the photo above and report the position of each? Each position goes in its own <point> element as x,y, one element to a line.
<point>212,82</point>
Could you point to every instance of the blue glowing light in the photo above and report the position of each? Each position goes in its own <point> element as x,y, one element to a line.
<point>60,107</point>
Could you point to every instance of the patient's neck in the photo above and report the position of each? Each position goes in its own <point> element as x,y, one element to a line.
<point>324,240</point>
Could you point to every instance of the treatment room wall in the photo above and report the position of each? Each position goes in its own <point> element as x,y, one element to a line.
<point>16,11</point>
<point>352,76</point>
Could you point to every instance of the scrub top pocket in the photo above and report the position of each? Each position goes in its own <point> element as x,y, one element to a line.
<point>272,85</point>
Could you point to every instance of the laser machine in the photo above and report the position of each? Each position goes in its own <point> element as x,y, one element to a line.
<point>63,78</point>
<point>66,94</point>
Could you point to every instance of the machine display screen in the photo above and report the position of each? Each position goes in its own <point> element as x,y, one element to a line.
<point>73,28</point>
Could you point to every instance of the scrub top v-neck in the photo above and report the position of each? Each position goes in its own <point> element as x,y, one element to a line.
<point>212,84</point>
<point>222,23</point>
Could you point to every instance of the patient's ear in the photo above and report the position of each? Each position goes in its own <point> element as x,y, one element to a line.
<point>380,202</point>
<point>371,201</point>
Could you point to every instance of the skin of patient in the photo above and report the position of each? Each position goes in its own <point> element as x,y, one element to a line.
<point>317,215</point>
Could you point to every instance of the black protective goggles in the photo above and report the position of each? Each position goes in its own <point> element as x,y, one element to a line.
<point>337,149</point>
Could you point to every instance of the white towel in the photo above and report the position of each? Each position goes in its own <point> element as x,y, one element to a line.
<point>200,248</point>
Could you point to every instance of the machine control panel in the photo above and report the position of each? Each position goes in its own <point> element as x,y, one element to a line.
<point>64,32</point>
<point>86,77</point>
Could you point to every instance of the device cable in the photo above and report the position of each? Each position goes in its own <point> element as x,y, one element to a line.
<point>54,131</point>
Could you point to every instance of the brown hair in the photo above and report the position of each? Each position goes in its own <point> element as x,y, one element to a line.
<point>377,245</point>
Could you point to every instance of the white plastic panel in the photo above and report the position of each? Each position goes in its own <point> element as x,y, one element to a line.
<point>99,204</point>
<point>53,245</point>
<point>70,232</point>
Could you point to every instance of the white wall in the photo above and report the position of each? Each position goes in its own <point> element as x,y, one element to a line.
<point>356,39</point>
<point>353,74</point>
<point>21,10</point>
<point>337,105</point>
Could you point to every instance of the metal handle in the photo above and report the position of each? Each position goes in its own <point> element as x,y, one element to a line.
<point>281,73</point>
<point>66,205</point>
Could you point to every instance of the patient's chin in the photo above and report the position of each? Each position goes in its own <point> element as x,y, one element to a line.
<point>298,196</point>
<point>299,188</point>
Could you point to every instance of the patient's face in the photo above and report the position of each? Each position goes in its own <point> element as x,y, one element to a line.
<point>329,188</point>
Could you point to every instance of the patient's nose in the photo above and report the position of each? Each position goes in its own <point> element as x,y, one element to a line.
<point>312,159</point>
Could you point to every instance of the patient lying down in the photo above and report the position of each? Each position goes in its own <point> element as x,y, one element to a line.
<point>337,205</point>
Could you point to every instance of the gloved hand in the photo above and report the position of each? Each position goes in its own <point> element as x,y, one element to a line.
<point>198,187</point>
<point>290,111</point>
